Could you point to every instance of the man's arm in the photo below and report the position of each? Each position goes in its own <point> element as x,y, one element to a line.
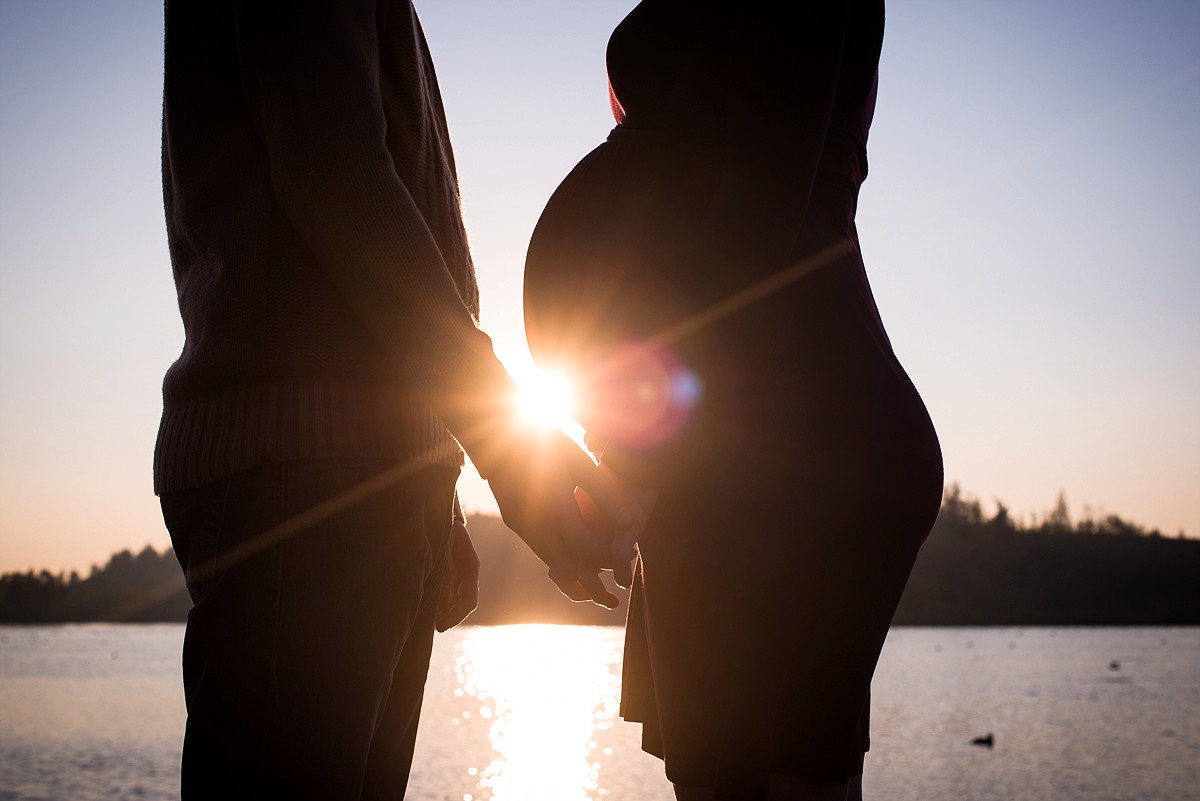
<point>311,76</point>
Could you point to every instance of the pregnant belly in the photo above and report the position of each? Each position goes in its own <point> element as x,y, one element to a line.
<point>611,279</point>
<point>621,279</point>
<point>602,262</point>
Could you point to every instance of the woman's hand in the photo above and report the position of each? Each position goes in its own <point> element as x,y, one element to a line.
<point>640,501</point>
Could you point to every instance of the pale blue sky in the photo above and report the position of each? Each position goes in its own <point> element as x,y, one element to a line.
<point>1030,226</point>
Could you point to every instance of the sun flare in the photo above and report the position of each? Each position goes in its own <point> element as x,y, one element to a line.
<point>545,399</point>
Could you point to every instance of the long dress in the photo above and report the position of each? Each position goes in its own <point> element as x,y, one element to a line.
<point>699,275</point>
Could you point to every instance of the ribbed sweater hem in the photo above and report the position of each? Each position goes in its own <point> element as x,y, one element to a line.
<point>205,440</point>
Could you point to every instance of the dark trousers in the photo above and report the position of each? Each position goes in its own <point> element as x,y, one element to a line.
<point>314,587</point>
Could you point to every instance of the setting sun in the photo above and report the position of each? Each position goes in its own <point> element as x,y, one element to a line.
<point>545,398</point>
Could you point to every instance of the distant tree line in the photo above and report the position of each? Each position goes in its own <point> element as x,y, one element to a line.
<point>979,570</point>
<point>145,587</point>
<point>975,569</point>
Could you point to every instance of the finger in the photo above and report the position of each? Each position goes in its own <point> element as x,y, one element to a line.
<point>600,487</point>
<point>587,510</point>
<point>587,545</point>
<point>603,492</point>
<point>595,441</point>
<point>623,573</point>
<point>558,540</point>
<point>595,588</point>
<point>624,547</point>
<point>570,455</point>
<point>568,585</point>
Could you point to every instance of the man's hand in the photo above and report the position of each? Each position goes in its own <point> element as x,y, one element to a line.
<point>534,491</point>
<point>460,587</point>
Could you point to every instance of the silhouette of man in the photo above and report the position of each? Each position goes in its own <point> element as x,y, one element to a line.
<point>307,455</point>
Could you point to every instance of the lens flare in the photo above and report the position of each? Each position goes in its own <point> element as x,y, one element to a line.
<point>640,396</point>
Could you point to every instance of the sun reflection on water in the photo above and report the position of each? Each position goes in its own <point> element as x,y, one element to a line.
<point>548,691</point>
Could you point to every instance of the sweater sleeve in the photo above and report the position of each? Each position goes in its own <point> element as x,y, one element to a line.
<point>311,75</point>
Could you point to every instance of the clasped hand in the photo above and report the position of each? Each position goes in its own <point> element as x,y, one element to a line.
<point>535,489</point>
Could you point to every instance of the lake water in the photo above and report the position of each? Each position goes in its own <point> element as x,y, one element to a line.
<point>528,713</point>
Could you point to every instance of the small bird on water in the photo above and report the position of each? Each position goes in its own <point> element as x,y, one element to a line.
<point>987,740</point>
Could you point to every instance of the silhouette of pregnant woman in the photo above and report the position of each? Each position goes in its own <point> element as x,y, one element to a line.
<point>699,275</point>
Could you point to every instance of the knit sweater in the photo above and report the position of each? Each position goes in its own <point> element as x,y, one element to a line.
<point>327,292</point>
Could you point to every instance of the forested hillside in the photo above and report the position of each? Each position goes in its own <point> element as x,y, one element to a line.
<point>974,570</point>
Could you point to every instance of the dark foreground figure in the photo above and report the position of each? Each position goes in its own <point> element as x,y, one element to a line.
<point>700,274</point>
<point>309,443</point>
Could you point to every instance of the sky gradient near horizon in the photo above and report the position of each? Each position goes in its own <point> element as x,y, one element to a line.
<point>1029,225</point>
